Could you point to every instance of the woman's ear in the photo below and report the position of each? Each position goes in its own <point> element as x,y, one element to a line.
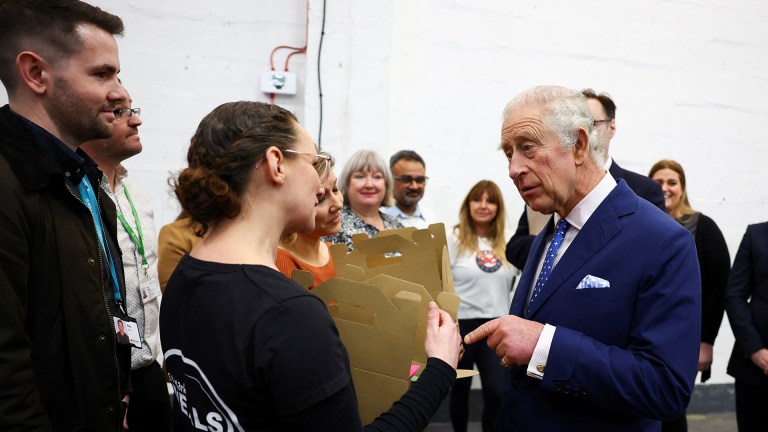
<point>274,164</point>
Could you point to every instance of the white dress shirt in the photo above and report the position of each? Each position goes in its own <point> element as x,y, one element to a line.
<point>577,218</point>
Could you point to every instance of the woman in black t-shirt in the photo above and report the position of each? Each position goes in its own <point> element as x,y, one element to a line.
<point>247,348</point>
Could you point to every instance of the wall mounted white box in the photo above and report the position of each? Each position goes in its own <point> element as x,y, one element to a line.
<point>276,82</point>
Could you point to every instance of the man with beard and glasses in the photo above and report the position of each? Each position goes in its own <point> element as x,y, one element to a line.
<point>61,280</point>
<point>408,170</point>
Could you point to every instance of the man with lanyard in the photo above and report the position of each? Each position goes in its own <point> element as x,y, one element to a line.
<point>150,404</point>
<point>61,278</point>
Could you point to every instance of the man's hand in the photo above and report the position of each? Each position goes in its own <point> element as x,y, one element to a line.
<point>512,337</point>
<point>705,356</point>
<point>126,400</point>
<point>760,358</point>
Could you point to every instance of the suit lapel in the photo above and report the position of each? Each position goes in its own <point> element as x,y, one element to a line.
<point>600,228</point>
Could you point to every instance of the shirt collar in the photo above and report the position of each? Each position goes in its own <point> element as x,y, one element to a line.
<point>72,163</point>
<point>580,214</point>
<point>399,213</point>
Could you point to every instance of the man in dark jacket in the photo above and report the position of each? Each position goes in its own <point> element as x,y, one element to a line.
<point>603,111</point>
<point>746,301</point>
<point>61,280</point>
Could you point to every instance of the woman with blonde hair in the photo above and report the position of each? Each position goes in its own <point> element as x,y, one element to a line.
<point>483,279</point>
<point>306,251</point>
<point>714,262</point>
<point>366,185</point>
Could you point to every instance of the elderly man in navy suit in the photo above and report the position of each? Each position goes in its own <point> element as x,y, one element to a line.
<point>603,331</point>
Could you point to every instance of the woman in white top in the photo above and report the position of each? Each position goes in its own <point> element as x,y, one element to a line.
<point>483,278</point>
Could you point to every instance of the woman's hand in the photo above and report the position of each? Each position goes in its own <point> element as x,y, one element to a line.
<point>443,339</point>
<point>705,356</point>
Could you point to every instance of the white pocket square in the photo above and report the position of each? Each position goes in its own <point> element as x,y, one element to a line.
<point>590,281</point>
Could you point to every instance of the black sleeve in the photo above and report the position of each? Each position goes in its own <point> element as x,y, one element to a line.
<point>20,401</point>
<point>519,245</point>
<point>715,265</point>
<point>411,413</point>
<point>741,286</point>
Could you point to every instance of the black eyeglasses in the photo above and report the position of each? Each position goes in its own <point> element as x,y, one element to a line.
<point>127,112</point>
<point>406,179</point>
<point>602,121</point>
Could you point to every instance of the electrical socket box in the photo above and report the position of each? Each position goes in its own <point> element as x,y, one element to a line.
<point>277,82</point>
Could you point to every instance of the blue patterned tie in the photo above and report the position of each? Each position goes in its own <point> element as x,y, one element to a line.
<point>549,260</point>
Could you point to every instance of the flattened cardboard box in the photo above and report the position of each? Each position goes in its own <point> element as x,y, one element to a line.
<point>416,256</point>
<point>372,326</point>
<point>407,268</point>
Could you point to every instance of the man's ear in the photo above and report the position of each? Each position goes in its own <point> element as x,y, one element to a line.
<point>611,129</point>
<point>581,148</point>
<point>274,162</point>
<point>35,72</point>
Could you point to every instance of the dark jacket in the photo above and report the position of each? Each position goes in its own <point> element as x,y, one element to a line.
<point>715,265</point>
<point>746,301</point>
<point>520,243</point>
<point>60,367</point>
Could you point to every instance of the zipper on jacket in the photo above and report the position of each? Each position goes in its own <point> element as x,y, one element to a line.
<point>103,288</point>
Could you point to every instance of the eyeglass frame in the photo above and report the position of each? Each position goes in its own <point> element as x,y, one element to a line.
<point>326,157</point>
<point>601,121</point>
<point>119,112</point>
<point>402,179</point>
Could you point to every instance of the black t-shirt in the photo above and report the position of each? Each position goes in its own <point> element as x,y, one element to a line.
<point>248,349</point>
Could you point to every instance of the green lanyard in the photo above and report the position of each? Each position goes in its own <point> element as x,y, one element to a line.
<point>137,240</point>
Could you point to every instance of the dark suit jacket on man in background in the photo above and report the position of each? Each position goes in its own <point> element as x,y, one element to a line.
<point>652,305</point>
<point>519,245</point>
<point>746,301</point>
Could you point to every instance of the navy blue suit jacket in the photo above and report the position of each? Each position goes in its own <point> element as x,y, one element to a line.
<point>622,357</point>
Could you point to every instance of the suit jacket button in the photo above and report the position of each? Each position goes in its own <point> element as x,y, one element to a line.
<point>91,261</point>
<point>102,338</point>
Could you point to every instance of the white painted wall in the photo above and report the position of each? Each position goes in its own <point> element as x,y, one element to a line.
<point>688,77</point>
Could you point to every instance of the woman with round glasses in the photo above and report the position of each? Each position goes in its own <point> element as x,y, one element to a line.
<point>714,263</point>
<point>366,185</point>
<point>246,347</point>
<point>306,251</point>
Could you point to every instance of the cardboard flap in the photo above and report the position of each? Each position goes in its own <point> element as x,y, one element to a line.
<point>376,330</point>
<point>303,278</point>
<point>414,263</point>
<point>357,238</point>
<point>433,237</point>
<point>404,232</point>
<point>448,302</point>
<point>446,275</point>
<point>391,286</point>
<point>349,271</point>
<point>384,244</point>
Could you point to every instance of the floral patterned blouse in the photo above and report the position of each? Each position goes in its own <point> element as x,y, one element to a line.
<point>352,224</point>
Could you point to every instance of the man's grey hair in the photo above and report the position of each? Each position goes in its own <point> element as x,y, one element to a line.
<point>564,112</point>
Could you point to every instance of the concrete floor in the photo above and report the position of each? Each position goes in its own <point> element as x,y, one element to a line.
<point>715,422</point>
